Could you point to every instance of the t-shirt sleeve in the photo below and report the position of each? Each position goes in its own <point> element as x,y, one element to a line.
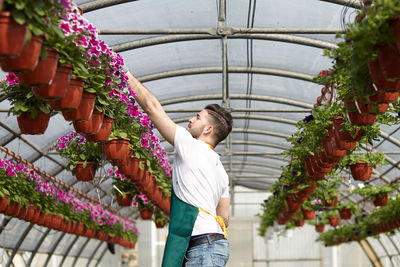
<point>183,141</point>
<point>225,194</point>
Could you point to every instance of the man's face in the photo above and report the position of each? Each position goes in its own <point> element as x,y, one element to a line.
<point>198,123</point>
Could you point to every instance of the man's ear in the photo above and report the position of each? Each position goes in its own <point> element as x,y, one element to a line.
<point>208,129</point>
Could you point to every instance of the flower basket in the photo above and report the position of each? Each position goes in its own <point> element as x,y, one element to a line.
<point>27,60</point>
<point>116,149</point>
<point>334,220</point>
<point>384,97</point>
<point>342,135</point>
<point>332,202</point>
<point>44,72</point>
<point>22,212</point>
<point>146,214</point>
<point>12,209</point>
<point>326,160</point>
<point>104,133</point>
<point>131,169</point>
<point>361,171</point>
<point>84,110</point>
<point>125,161</point>
<point>389,60</point>
<point>331,149</point>
<point>79,228</point>
<point>72,97</point>
<point>356,118</point>
<point>12,35</point>
<point>156,196</point>
<point>38,125</point>
<point>3,203</point>
<point>381,200</point>
<point>124,201</point>
<point>92,125</point>
<point>380,83</point>
<point>58,87</point>
<point>299,223</point>
<point>30,213</point>
<point>160,224</point>
<point>85,173</point>
<point>319,228</point>
<point>345,213</point>
<point>318,167</point>
<point>308,214</point>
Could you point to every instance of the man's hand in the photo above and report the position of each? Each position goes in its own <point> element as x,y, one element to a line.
<point>153,109</point>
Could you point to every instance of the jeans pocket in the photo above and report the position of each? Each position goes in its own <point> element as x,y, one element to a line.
<point>219,260</point>
<point>194,256</point>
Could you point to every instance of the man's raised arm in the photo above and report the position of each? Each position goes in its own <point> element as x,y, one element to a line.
<point>153,109</point>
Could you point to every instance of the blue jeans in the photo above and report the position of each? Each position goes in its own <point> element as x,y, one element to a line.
<point>215,254</point>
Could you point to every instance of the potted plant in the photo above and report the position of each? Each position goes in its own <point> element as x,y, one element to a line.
<point>33,114</point>
<point>145,207</point>
<point>83,157</point>
<point>377,194</point>
<point>122,188</point>
<point>347,208</point>
<point>160,219</point>
<point>361,164</point>
<point>333,217</point>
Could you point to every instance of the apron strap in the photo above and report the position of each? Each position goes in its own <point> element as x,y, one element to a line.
<point>219,220</point>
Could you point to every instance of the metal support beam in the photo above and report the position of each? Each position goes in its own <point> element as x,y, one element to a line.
<point>99,4</point>
<point>233,110</point>
<point>285,38</point>
<point>37,246</point>
<point>50,254</point>
<point>94,253</point>
<point>273,99</point>
<point>102,254</point>
<point>370,252</point>
<point>231,69</point>
<point>350,3</point>
<point>68,250</point>
<point>80,251</point>
<point>18,244</point>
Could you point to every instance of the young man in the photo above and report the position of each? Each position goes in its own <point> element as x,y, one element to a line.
<point>200,195</point>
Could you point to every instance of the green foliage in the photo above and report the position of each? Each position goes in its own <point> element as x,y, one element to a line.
<point>373,158</point>
<point>371,191</point>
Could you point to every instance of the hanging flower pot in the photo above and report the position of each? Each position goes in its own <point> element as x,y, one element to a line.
<point>318,167</point>
<point>3,203</point>
<point>379,81</point>
<point>104,133</point>
<point>343,135</point>
<point>146,214</point>
<point>334,220</point>
<point>292,203</point>
<point>361,171</point>
<point>388,58</point>
<point>356,118</point>
<point>160,225</point>
<point>331,150</point>
<point>92,125</point>
<point>58,87</point>
<point>125,161</point>
<point>124,201</point>
<point>131,169</point>
<point>84,110</point>
<point>29,125</point>
<point>157,196</point>
<point>12,35</point>
<point>327,161</point>
<point>72,97</point>
<point>12,209</point>
<point>22,212</point>
<point>345,213</point>
<point>299,223</point>
<point>79,228</point>
<point>116,149</point>
<point>44,72</point>
<point>384,97</point>
<point>381,200</point>
<point>30,213</point>
<point>308,214</point>
<point>86,173</point>
<point>319,228</point>
<point>27,60</point>
<point>331,202</point>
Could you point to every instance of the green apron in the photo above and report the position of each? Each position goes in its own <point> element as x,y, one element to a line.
<point>182,219</point>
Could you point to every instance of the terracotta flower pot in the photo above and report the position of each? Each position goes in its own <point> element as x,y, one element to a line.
<point>308,214</point>
<point>343,135</point>
<point>334,220</point>
<point>160,225</point>
<point>44,72</point>
<point>92,125</point>
<point>356,118</point>
<point>12,209</point>
<point>345,213</point>
<point>380,83</point>
<point>331,150</point>
<point>58,87</point>
<point>84,110</point>
<point>292,202</point>
<point>384,97</point>
<point>131,169</point>
<point>395,25</point>
<point>319,228</point>
<point>124,201</point>
<point>388,58</point>
<point>30,213</point>
<point>27,60</point>
<point>299,223</point>
<point>85,173</point>
<point>116,149</point>
<point>104,133</point>
<point>361,171</point>
<point>332,202</point>
<point>3,203</point>
<point>146,214</point>
<point>22,212</point>
<point>79,228</point>
<point>38,125</point>
<point>72,97</point>
<point>381,200</point>
<point>157,196</point>
<point>12,35</point>
<point>125,161</point>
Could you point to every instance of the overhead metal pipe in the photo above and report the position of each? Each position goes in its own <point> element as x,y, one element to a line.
<point>99,4</point>
<point>350,3</point>
<point>263,110</point>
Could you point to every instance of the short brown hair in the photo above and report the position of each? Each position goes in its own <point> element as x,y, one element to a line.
<point>221,120</point>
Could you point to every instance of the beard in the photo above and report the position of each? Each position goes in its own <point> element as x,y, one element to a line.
<point>194,132</point>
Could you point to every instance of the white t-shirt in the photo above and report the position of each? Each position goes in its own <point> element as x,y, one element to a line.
<point>199,179</point>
